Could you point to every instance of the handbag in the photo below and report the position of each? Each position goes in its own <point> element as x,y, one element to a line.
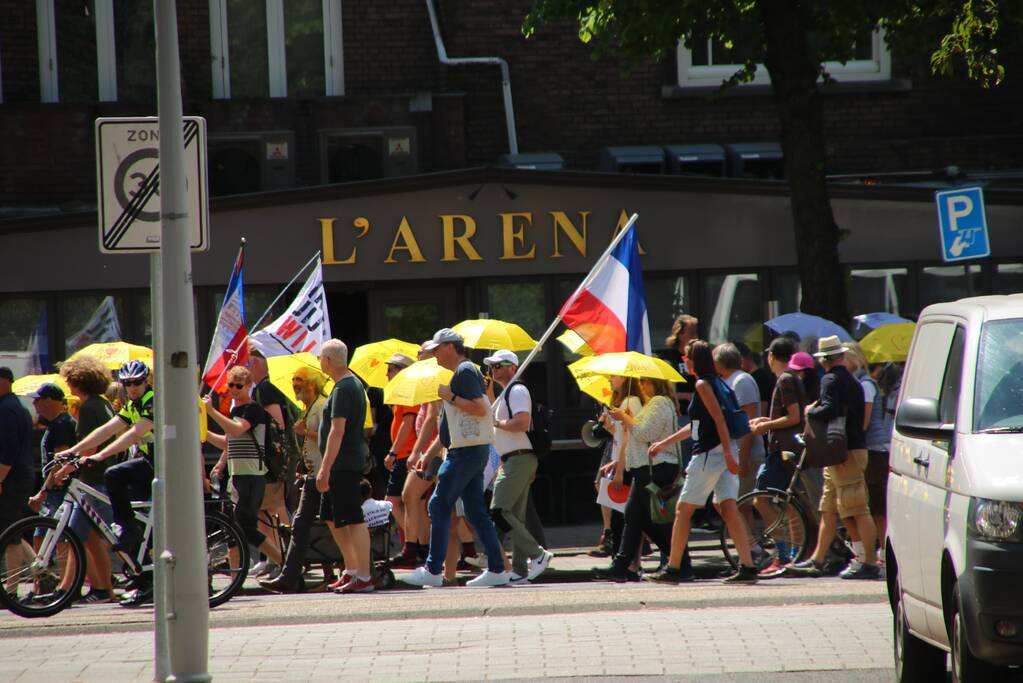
<point>664,500</point>
<point>826,443</point>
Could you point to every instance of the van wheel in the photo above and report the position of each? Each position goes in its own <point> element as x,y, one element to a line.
<point>915,660</point>
<point>965,667</point>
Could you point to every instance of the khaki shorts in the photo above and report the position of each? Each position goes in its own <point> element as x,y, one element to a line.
<point>845,489</point>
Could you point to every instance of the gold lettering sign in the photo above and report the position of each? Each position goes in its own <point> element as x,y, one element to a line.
<point>623,219</point>
<point>514,233</point>
<point>562,223</point>
<point>327,231</point>
<point>463,240</point>
<point>405,240</point>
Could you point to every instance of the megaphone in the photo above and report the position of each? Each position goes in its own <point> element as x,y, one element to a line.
<point>593,434</point>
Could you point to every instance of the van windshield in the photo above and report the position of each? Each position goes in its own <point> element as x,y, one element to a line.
<point>998,402</point>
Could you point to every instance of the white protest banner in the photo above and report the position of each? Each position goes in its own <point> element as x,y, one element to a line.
<point>303,327</point>
<point>103,326</point>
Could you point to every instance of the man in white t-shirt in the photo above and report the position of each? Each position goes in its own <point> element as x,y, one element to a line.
<point>728,362</point>
<point>512,416</point>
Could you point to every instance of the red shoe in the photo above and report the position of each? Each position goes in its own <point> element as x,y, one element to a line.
<point>340,583</point>
<point>357,585</point>
<point>773,570</point>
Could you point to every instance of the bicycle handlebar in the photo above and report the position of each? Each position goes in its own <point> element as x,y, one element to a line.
<point>66,460</point>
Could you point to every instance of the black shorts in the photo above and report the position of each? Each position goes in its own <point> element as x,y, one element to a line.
<point>342,503</point>
<point>396,480</point>
<point>14,506</point>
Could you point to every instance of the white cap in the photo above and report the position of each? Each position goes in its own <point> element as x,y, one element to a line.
<point>502,356</point>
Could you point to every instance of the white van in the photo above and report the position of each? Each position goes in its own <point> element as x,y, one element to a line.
<point>954,555</point>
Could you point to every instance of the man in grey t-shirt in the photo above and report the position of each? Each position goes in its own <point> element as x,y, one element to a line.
<point>728,361</point>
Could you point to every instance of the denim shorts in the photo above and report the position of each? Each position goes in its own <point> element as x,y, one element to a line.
<point>774,474</point>
<point>707,473</point>
<point>80,524</point>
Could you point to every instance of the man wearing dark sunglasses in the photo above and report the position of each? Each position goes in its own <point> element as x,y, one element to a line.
<point>131,480</point>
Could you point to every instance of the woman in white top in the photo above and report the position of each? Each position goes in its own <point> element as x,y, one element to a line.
<point>655,420</point>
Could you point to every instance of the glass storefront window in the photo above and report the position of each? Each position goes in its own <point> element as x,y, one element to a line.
<point>666,299</point>
<point>87,319</point>
<point>135,42</point>
<point>733,307</point>
<point>521,303</point>
<point>247,48</point>
<point>413,322</point>
<point>788,291</point>
<point>24,336</point>
<point>303,47</point>
<point>948,283</point>
<point>1008,278</point>
<point>75,25</point>
<point>879,289</point>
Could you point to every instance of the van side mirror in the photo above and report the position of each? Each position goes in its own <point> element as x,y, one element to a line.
<point>918,418</point>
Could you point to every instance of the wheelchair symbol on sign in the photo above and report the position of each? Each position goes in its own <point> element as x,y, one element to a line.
<point>136,180</point>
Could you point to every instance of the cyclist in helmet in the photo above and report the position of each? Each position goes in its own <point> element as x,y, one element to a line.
<point>133,425</point>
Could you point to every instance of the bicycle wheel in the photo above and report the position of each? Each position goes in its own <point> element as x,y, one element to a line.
<point>228,556</point>
<point>35,561</point>
<point>780,524</point>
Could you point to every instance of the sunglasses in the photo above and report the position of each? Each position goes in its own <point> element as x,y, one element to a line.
<point>235,386</point>
<point>133,382</point>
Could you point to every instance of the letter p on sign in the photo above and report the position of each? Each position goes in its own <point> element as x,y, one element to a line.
<point>962,224</point>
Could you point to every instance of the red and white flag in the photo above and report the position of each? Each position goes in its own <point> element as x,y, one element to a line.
<point>303,327</point>
<point>230,346</point>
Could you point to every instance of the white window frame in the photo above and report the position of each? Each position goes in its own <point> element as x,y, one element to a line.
<point>106,54</point>
<point>856,70</point>
<point>277,71</point>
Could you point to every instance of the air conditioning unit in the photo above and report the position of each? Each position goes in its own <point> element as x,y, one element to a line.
<point>633,159</point>
<point>537,161</point>
<point>761,160</point>
<point>697,160</point>
<point>351,154</point>
<point>258,161</point>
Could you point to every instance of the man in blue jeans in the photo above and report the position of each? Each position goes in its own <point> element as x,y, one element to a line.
<point>466,430</point>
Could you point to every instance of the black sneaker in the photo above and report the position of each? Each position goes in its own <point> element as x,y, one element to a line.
<point>744,575</point>
<point>137,597</point>
<point>129,540</point>
<point>670,575</point>
<point>807,568</point>
<point>612,573</point>
<point>861,571</point>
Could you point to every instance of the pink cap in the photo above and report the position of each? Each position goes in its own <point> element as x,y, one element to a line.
<point>801,360</point>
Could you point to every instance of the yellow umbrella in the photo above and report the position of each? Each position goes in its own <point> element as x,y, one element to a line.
<point>23,386</point>
<point>595,386</point>
<point>417,383</point>
<point>116,354</point>
<point>370,360</point>
<point>632,364</point>
<point>494,334</point>
<point>888,343</point>
<point>282,368</point>
<point>574,343</point>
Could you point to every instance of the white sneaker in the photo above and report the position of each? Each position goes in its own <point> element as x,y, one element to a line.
<point>539,565</point>
<point>517,580</point>
<point>424,577</point>
<point>489,579</point>
<point>480,561</point>
<point>259,568</point>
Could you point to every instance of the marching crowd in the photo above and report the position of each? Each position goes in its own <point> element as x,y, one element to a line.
<point>459,468</point>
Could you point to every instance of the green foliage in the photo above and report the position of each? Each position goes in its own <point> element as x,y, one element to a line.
<point>955,35</point>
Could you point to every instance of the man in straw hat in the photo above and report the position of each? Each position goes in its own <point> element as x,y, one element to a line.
<point>845,489</point>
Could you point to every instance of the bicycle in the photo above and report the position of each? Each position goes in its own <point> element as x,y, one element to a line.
<point>40,554</point>
<point>779,517</point>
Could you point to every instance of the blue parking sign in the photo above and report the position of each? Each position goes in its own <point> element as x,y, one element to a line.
<point>962,224</point>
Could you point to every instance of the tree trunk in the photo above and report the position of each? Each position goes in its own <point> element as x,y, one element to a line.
<point>794,71</point>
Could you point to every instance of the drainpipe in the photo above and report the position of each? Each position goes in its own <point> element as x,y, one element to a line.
<point>442,54</point>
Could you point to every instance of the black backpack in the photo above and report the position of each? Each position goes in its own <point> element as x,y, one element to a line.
<point>273,452</point>
<point>540,419</point>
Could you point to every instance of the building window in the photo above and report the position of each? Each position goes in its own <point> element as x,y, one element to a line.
<point>733,304</point>
<point>24,345</point>
<point>666,299</point>
<point>135,47</point>
<point>1008,278</point>
<point>948,283</point>
<point>709,62</point>
<point>88,318</point>
<point>276,48</point>
<point>873,290</point>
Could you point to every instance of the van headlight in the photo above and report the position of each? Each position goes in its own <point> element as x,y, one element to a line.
<point>996,520</point>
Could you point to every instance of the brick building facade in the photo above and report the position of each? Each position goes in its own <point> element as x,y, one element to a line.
<point>565,101</point>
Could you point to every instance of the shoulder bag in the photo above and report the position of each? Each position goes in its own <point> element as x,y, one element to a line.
<point>826,443</point>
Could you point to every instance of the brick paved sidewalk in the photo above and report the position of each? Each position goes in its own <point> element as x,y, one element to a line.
<point>636,643</point>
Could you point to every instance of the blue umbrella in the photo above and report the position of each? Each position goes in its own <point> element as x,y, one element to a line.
<point>806,325</point>
<point>864,323</point>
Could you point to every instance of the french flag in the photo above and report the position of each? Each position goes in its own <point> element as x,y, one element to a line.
<point>609,312</point>
<point>230,340</point>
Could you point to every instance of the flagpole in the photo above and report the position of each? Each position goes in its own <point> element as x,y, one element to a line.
<point>568,304</point>
<point>249,331</point>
